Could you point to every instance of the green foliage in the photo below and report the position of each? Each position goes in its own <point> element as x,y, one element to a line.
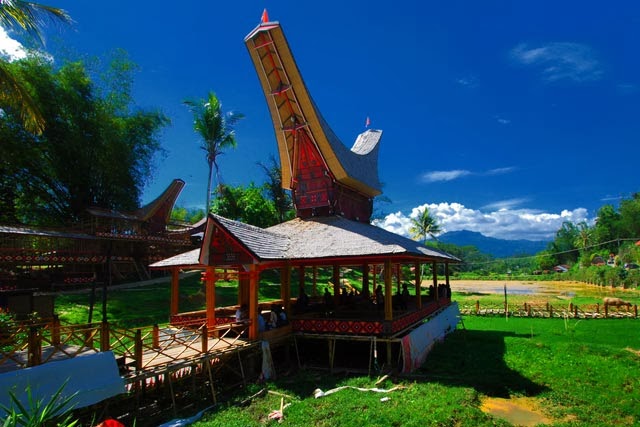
<point>558,364</point>
<point>95,150</point>
<point>280,197</point>
<point>186,215</point>
<point>246,204</point>
<point>54,412</point>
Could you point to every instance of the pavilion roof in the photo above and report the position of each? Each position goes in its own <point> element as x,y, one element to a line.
<point>312,240</point>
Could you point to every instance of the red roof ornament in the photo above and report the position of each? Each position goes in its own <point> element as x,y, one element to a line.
<point>265,16</point>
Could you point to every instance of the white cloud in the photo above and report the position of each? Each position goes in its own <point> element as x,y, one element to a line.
<point>10,48</point>
<point>439,176</point>
<point>436,176</point>
<point>503,223</point>
<point>560,61</point>
<point>502,120</point>
<point>469,81</point>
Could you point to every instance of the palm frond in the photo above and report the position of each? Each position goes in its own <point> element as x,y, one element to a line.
<point>29,16</point>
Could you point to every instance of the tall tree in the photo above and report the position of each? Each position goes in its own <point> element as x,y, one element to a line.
<point>27,16</point>
<point>277,194</point>
<point>424,225</point>
<point>95,151</point>
<point>216,128</point>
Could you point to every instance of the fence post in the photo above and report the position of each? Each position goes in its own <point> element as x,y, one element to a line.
<point>550,311</point>
<point>529,310</point>
<point>477,306</point>
<point>138,350</point>
<point>35,347</point>
<point>156,336</point>
<point>606,310</point>
<point>635,310</point>
<point>575,311</point>
<point>88,335</point>
<point>205,339</point>
<point>598,308</point>
<point>105,344</point>
<point>55,330</point>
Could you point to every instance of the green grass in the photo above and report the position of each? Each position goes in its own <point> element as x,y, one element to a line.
<point>580,372</point>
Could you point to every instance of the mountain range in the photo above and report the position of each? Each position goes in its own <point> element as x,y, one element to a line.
<point>498,248</point>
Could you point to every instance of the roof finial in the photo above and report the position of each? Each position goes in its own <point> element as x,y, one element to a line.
<point>265,16</point>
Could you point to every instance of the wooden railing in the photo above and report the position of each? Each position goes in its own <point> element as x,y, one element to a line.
<point>29,344</point>
<point>548,310</point>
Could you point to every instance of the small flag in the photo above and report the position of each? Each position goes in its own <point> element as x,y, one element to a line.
<point>367,122</point>
<point>265,16</point>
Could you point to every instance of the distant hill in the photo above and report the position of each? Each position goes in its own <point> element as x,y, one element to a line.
<point>498,248</point>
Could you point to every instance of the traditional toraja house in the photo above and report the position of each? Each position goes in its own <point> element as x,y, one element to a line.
<point>333,190</point>
<point>40,258</point>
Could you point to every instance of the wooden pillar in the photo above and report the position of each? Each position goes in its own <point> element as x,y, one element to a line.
<point>210,291</point>
<point>417,277</point>
<point>446,273</point>
<point>388,290</point>
<point>243,288</point>
<point>285,288</point>
<point>375,276</point>
<point>301,279</point>
<point>399,278</point>
<point>365,281</point>
<point>435,279</point>
<point>254,311</point>
<point>314,290</point>
<point>175,292</point>
<point>336,284</point>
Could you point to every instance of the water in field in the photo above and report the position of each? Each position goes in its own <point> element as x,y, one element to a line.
<point>518,411</point>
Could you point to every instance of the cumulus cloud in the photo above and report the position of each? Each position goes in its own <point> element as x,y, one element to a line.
<point>10,48</point>
<point>502,120</point>
<point>468,81</point>
<point>560,61</point>
<point>502,223</point>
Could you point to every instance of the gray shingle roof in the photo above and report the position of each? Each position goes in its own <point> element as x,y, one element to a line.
<point>329,237</point>
<point>264,244</point>
<point>314,239</point>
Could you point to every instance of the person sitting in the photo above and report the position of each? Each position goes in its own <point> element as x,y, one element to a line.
<point>404,301</point>
<point>328,299</point>
<point>262,324</point>
<point>303,300</point>
<point>242,314</point>
<point>282,317</point>
<point>273,317</point>
<point>379,298</point>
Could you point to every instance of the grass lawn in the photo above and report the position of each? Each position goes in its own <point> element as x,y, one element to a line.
<point>578,373</point>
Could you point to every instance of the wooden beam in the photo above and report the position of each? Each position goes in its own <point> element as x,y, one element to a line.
<point>175,291</point>
<point>388,290</point>
<point>434,267</point>
<point>314,290</point>
<point>254,312</point>
<point>285,288</point>
<point>365,281</point>
<point>336,284</point>
<point>210,290</point>
<point>417,277</point>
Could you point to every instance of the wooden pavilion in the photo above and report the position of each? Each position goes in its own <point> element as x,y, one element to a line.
<point>333,189</point>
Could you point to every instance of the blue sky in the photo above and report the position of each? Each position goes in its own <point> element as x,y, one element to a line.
<point>502,117</point>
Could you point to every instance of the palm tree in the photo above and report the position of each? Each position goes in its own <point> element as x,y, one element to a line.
<point>424,225</point>
<point>27,16</point>
<point>216,130</point>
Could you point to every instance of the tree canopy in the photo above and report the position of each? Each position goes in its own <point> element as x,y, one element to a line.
<point>96,150</point>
